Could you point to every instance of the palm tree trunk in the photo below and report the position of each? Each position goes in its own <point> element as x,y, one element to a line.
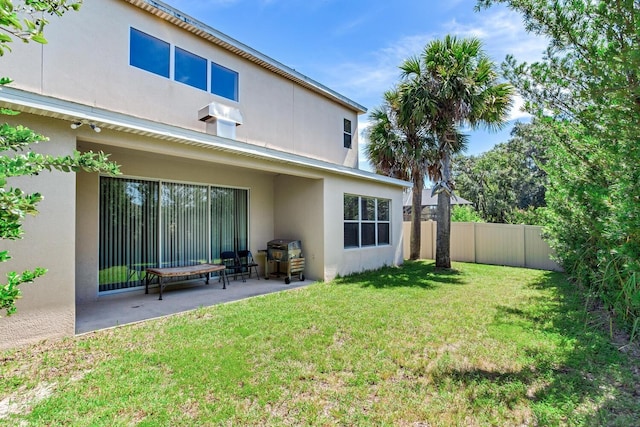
<point>416,216</point>
<point>443,236</point>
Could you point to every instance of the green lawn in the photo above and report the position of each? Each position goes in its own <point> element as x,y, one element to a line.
<point>482,345</point>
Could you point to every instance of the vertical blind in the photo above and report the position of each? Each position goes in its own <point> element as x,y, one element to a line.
<point>229,226</point>
<point>184,224</point>
<point>149,224</point>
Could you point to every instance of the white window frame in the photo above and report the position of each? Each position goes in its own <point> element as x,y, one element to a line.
<point>360,221</point>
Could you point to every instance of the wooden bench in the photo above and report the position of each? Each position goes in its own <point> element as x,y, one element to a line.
<point>191,270</point>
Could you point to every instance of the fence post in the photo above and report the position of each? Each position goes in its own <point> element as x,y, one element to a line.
<point>434,230</point>
<point>474,243</point>
<point>524,244</point>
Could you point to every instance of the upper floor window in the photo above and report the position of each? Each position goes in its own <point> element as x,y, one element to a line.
<point>154,55</point>
<point>149,53</point>
<point>190,69</point>
<point>366,221</point>
<point>347,133</point>
<point>224,82</point>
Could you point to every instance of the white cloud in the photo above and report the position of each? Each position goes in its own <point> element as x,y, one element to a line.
<point>363,126</point>
<point>502,32</point>
<point>378,71</point>
<point>373,73</point>
<point>349,26</point>
<point>366,79</point>
<point>517,111</point>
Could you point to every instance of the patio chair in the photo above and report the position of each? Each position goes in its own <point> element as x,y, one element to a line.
<point>247,262</point>
<point>232,264</point>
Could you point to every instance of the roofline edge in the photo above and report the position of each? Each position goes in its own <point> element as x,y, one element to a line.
<point>195,26</point>
<point>32,103</point>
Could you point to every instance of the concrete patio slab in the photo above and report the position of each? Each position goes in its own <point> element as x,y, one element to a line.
<point>135,306</point>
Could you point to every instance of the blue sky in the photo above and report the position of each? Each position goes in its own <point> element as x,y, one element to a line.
<point>356,46</point>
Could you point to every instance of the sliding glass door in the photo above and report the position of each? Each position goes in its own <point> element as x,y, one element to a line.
<point>184,224</point>
<point>150,224</point>
<point>229,220</point>
<point>128,231</point>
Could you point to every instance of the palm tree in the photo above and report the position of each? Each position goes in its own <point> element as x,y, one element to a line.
<point>457,85</point>
<point>400,146</point>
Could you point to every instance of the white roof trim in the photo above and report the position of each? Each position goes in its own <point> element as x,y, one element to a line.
<point>194,26</point>
<point>32,103</point>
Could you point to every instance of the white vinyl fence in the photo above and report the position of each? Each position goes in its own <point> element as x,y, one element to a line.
<point>483,243</point>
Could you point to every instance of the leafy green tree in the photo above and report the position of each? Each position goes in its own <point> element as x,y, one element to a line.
<point>507,180</point>
<point>465,213</point>
<point>586,92</point>
<point>400,146</point>
<point>530,216</point>
<point>25,21</point>
<point>457,85</point>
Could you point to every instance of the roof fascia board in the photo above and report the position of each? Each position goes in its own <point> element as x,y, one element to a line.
<point>203,30</point>
<point>41,105</point>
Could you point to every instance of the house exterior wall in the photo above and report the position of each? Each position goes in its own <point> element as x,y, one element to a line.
<point>47,306</point>
<point>341,261</point>
<point>150,127</point>
<point>286,201</point>
<point>312,211</point>
<point>94,70</point>
<point>139,164</point>
<point>298,215</point>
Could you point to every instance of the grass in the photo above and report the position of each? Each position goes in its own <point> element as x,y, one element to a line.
<point>480,345</point>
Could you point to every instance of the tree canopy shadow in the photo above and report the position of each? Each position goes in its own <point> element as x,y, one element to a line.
<point>422,274</point>
<point>582,370</point>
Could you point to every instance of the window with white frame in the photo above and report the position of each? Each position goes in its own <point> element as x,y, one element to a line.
<point>366,221</point>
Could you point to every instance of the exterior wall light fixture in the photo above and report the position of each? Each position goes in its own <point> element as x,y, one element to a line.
<point>95,127</point>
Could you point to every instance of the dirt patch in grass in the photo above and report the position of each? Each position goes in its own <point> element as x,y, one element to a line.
<point>21,401</point>
<point>31,374</point>
<point>51,359</point>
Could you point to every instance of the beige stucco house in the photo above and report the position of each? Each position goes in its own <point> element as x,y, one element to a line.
<point>220,147</point>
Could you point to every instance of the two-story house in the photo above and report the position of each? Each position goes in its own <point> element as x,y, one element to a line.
<point>221,148</point>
